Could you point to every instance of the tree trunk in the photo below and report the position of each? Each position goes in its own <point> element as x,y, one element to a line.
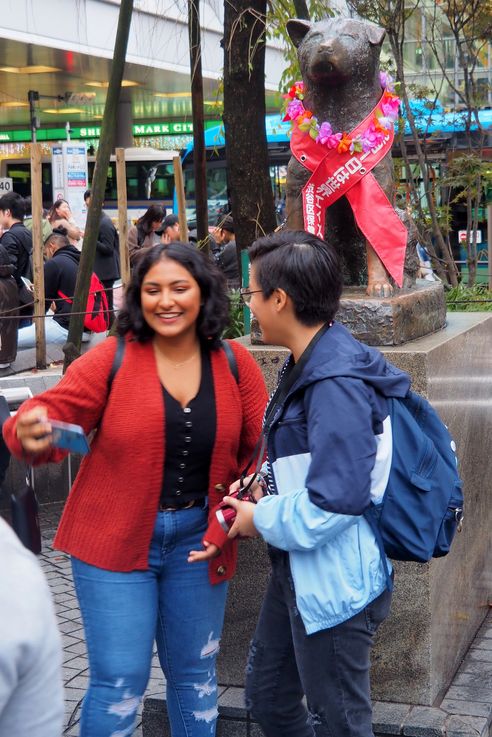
<point>301,9</point>
<point>248,176</point>
<point>199,156</point>
<point>86,266</point>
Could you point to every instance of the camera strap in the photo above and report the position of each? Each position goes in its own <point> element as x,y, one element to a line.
<point>290,374</point>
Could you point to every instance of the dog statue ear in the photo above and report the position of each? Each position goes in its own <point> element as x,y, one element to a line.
<point>297,30</point>
<point>375,34</point>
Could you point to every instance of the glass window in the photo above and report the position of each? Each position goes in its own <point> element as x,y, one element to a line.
<point>21,180</point>
<point>413,55</point>
<point>145,180</point>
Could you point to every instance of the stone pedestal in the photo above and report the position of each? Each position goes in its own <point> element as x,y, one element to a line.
<point>437,607</point>
<point>407,315</point>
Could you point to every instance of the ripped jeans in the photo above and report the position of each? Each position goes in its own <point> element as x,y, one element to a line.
<point>330,667</point>
<point>172,602</point>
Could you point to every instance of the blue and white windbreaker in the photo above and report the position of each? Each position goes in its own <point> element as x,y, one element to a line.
<point>330,449</point>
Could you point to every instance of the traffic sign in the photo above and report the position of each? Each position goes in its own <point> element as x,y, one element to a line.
<point>5,185</point>
<point>462,236</point>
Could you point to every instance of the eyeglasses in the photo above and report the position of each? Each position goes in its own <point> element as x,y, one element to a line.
<point>246,294</point>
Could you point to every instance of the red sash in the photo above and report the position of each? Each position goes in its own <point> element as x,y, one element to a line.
<point>335,175</point>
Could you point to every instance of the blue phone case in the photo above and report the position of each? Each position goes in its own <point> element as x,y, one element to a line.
<point>69,437</point>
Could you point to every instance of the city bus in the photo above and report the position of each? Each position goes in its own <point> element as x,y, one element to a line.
<point>149,179</point>
<point>278,156</point>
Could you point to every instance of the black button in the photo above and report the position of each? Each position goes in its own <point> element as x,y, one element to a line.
<point>187,410</point>
<point>188,424</point>
<point>182,465</point>
<point>187,439</point>
<point>185,452</point>
<point>180,479</point>
<point>178,492</point>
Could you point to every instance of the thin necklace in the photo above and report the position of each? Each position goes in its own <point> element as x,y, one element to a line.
<point>182,363</point>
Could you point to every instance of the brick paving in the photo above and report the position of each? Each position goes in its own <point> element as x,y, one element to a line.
<point>57,569</point>
<point>466,710</point>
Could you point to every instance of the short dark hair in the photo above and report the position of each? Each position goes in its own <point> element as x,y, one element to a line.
<point>15,203</point>
<point>87,194</point>
<point>227,224</point>
<point>305,267</point>
<point>214,313</point>
<point>170,220</point>
<point>57,236</point>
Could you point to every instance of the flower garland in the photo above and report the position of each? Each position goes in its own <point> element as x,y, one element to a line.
<point>382,123</point>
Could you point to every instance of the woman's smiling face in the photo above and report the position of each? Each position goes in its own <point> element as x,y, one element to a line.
<point>170,298</point>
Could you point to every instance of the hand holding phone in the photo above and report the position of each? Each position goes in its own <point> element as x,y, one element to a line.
<point>28,283</point>
<point>69,437</point>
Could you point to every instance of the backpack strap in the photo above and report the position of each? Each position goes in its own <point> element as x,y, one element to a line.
<point>64,296</point>
<point>117,361</point>
<point>231,359</point>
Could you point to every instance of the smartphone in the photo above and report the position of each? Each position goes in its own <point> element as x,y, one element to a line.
<point>69,437</point>
<point>27,283</point>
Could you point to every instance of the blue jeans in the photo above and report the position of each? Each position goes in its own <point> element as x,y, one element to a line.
<point>55,333</point>
<point>330,667</point>
<point>173,602</point>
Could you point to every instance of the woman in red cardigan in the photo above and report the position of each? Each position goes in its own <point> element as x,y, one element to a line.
<point>172,432</point>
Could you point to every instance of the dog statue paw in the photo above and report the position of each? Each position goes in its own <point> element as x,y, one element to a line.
<point>379,289</point>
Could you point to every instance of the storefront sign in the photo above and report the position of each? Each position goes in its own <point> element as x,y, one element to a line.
<point>174,128</point>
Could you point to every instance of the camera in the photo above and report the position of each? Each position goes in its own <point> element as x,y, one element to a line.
<point>226,514</point>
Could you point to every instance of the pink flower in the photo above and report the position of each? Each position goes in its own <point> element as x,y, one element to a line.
<point>390,108</point>
<point>333,140</point>
<point>370,138</point>
<point>385,122</point>
<point>325,131</point>
<point>295,108</point>
<point>386,81</point>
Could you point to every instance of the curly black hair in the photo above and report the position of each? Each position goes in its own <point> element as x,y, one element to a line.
<point>214,313</point>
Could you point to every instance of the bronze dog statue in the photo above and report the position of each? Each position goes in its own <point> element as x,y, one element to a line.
<point>339,60</point>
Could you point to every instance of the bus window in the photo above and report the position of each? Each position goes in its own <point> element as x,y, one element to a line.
<point>216,192</point>
<point>145,180</point>
<point>20,174</point>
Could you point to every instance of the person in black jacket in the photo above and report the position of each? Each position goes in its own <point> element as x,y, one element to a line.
<point>9,301</point>
<point>17,240</point>
<point>60,275</point>
<point>227,259</point>
<point>107,261</point>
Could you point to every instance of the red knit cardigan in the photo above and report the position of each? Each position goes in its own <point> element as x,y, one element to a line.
<point>110,513</point>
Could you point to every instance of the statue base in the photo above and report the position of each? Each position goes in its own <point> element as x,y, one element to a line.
<point>407,315</point>
<point>438,607</point>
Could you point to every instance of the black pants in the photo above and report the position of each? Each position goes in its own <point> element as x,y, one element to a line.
<point>330,667</point>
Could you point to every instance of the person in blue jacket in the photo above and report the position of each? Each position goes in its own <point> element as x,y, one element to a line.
<point>329,448</point>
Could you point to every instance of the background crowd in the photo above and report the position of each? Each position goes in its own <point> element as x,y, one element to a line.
<point>62,239</point>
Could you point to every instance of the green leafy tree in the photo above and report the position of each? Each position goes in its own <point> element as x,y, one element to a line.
<point>469,24</point>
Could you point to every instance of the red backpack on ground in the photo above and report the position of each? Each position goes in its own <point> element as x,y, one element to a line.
<point>96,318</point>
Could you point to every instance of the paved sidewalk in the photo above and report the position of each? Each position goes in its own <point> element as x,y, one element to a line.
<point>466,710</point>
<point>57,569</point>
